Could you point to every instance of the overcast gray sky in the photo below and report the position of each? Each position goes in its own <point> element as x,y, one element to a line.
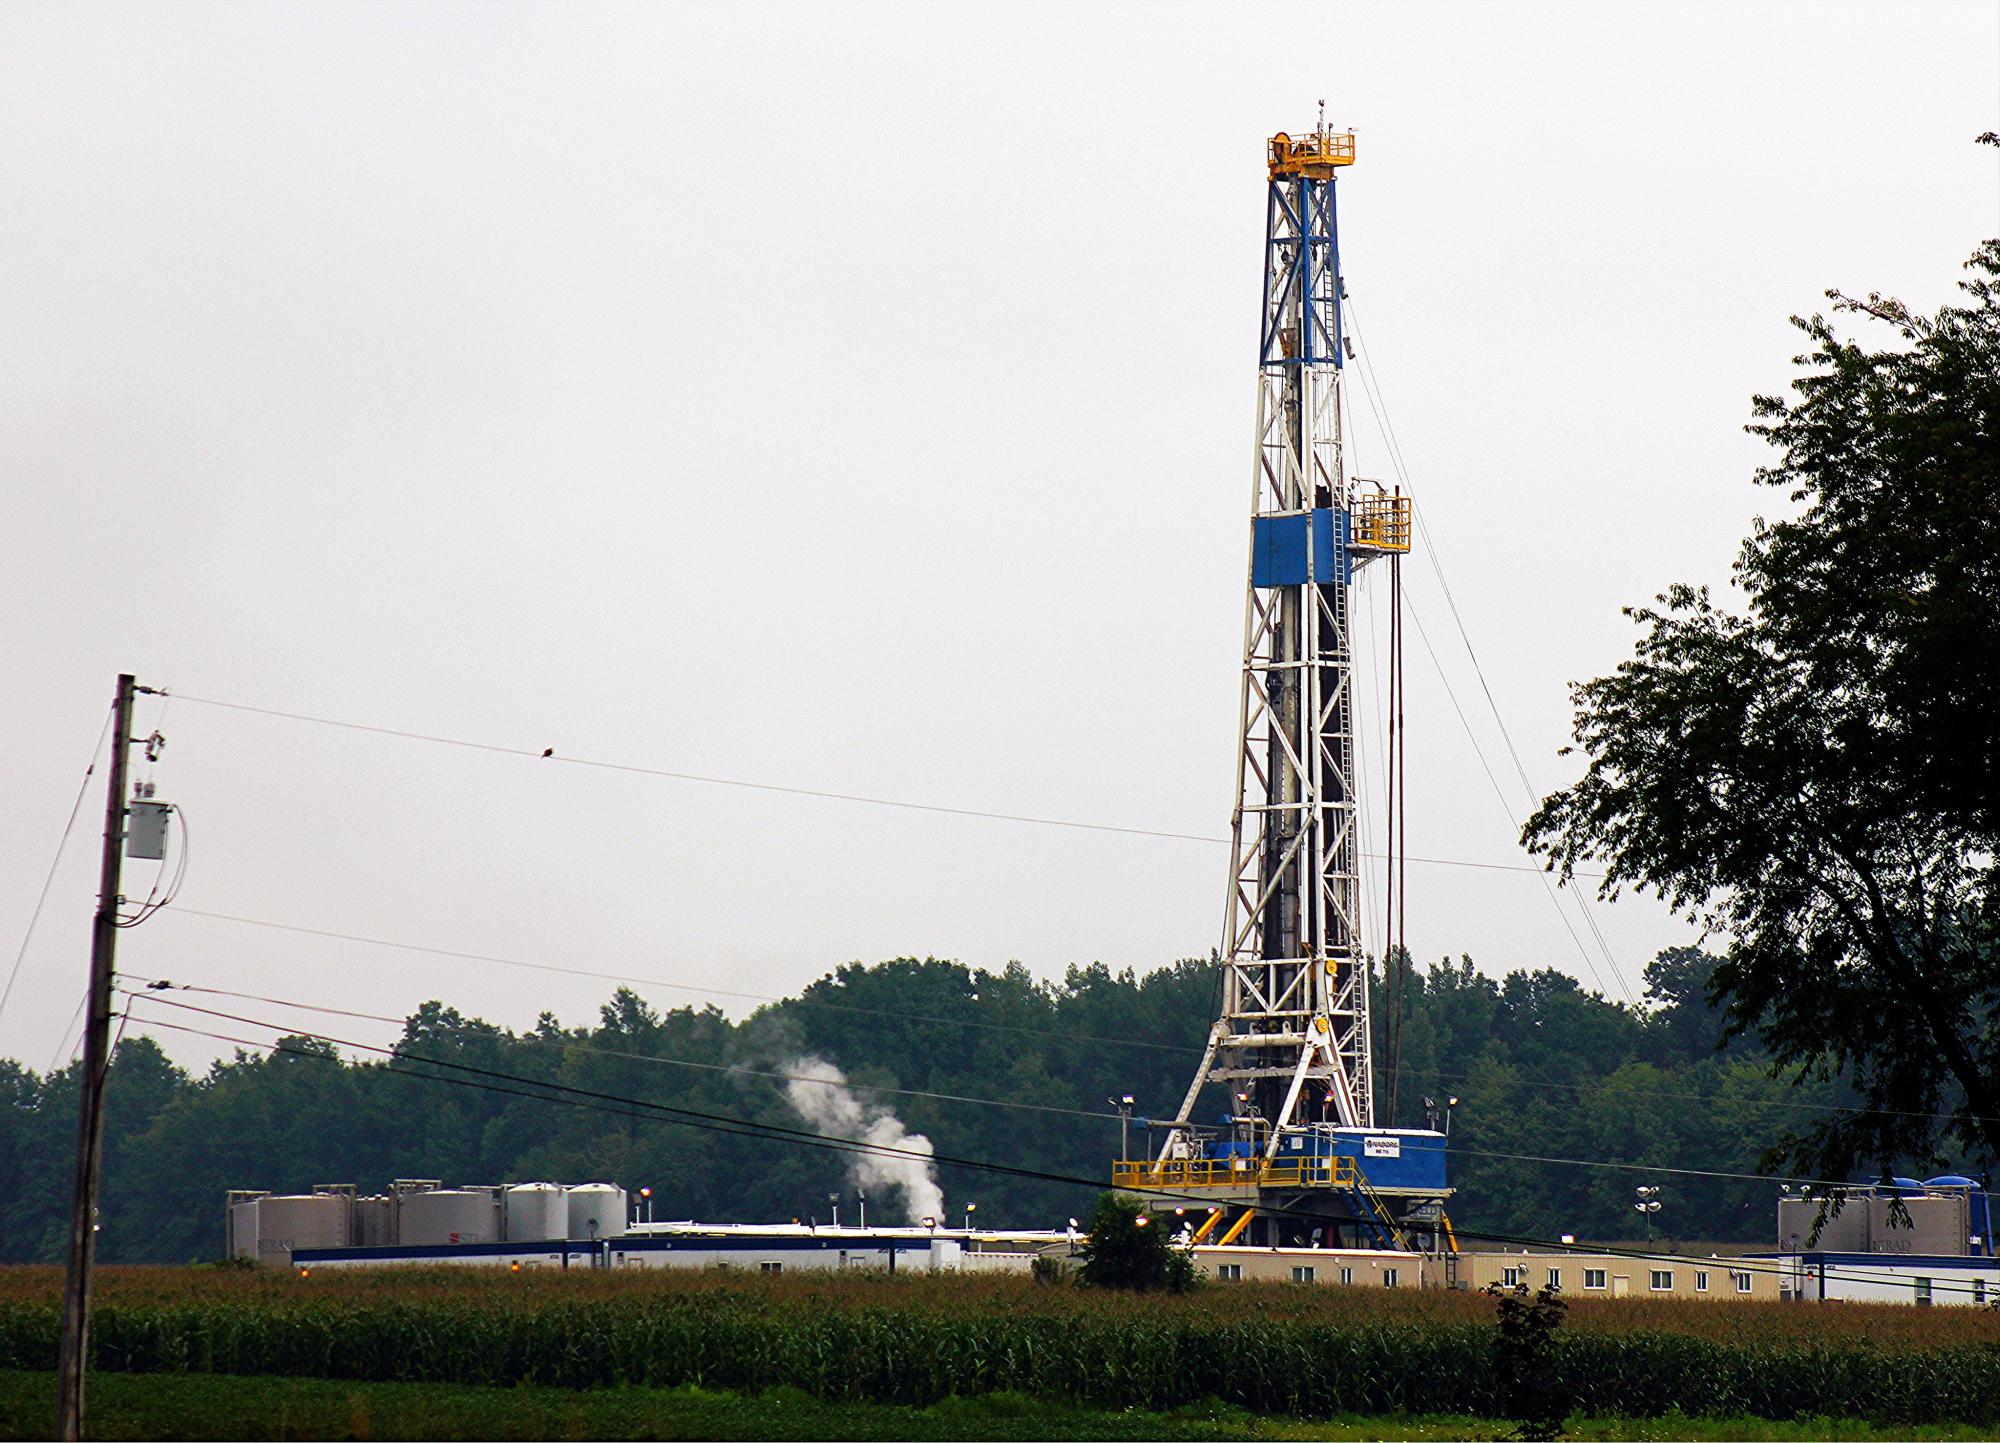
<point>857,398</point>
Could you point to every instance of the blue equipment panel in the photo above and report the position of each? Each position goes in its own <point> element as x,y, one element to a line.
<point>1278,548</point>
<point>1402,1158</point>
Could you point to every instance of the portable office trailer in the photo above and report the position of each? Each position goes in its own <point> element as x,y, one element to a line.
<point>517,1257</point>
<point>1583,1274</point>
<point>784,1251</point>
<point>1320,1267</point>
<point>1873,1277</point>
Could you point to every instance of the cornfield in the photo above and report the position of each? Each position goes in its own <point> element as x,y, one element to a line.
<point>1303,1352</point>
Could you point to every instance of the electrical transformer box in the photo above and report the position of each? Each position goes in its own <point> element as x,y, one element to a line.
<point>146,831</point>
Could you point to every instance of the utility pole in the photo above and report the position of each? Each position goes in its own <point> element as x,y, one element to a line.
<point>96,1064</point>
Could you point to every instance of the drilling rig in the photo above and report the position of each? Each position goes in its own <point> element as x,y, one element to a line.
<point>1294,1154</point>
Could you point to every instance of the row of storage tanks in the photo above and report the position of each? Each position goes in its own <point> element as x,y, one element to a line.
<point>421,1213</point>
<point>1949,1216</point>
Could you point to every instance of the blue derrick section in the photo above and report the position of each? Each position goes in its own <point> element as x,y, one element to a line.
<point>1278,548</point>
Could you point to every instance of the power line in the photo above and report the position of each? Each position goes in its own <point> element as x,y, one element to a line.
<point>1576,1088</point>
<point>635,769</point>
<point>1670,1096</point>
<point>707,1121</point>
<point>54,862</point>
<point>402,1054</point>
<point>64,1045</point>
<point>724,1124</point>
<point>569,1044</point>
<point>676,986</point>
<point>1435,557</point>
<point>1506,808</point>
<point>1371,389</point>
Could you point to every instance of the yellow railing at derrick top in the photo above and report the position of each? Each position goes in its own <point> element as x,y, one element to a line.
<point>1314,155</point>
<point>1170,1174</point>
<point>1382,523</point>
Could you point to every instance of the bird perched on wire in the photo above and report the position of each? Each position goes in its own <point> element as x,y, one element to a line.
<point>548,751</point>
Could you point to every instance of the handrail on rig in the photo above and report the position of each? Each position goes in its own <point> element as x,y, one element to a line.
<point>1170,1174</point>
<point>1382,523</point>
<point>1313,155</point>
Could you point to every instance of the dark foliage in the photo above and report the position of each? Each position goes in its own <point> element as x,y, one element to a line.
<point>1524,1360</point>
<point>1541,1068</point>
<point>1816,775</point>
<point>1128,1249</point>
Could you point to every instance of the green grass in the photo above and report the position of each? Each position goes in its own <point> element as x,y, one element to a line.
<point>203,1407</point>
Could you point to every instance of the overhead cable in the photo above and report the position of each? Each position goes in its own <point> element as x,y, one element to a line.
<point>637,981</point>
<point>743,1127</point>
<point>1379,405</point>
<point>1055,1034</point>
<point>548,754</point>
<point>404,1055</point>
<point>20,955</point>
<point>570,1044</point>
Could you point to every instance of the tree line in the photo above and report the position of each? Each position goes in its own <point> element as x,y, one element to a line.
<point>1556,1089</point>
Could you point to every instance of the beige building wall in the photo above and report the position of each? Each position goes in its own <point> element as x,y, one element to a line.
<point>1354,1267</point>
<point>1607,1275</point>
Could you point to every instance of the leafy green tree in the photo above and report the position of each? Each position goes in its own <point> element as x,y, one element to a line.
<point>1524,1356</point>
<point>1685,1026</point>
<point>1816,775</point>
<point>1543,1071</point>
<point>1128,1249</point>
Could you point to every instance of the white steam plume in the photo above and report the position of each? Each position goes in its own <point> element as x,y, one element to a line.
<point>819,1093</point>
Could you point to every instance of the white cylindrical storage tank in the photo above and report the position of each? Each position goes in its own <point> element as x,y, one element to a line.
<point>536,1212</point>
<point>243,1229</point>
<point>374,1222</point>
<point>447,1217</point>
<point>596,1210</point>
<point>302,1220</point>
